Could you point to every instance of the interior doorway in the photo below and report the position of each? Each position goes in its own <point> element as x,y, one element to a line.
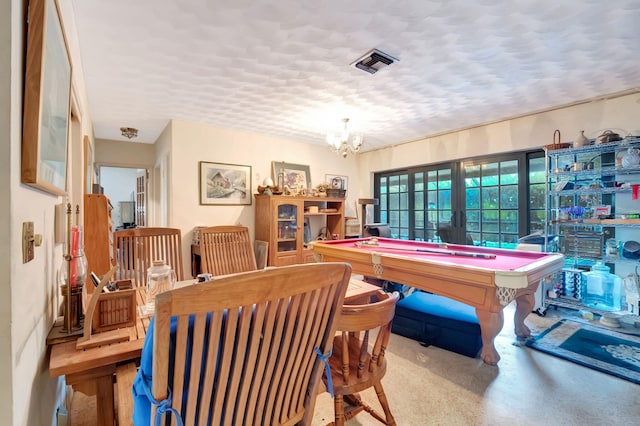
<point>126,189</point>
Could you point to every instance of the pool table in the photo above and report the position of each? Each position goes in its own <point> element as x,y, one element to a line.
<point>485,278</point>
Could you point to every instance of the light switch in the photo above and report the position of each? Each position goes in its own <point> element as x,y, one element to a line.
<point>28,242</point>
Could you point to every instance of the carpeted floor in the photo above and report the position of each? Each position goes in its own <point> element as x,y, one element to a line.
<point>431,386</point>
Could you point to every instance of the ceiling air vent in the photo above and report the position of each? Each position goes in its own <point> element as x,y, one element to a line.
<point>373,61</point>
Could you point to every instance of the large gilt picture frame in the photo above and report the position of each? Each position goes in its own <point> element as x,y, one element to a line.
<point>47,99</point>
<point>224,184</point>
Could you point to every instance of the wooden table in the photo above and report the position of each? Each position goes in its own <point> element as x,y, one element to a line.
<point>485,278</point>
<point>91,371</point>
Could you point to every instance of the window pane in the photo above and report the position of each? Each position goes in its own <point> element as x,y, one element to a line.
<point>404,219</point>
<point>490,240</point>
<point>404,201</point>
<point>418,179</point>
<point>509,197</point>
<point>536,196</point>
<point>404,183</point>
<point>419,219</point>
<point>432,199</point>
<point>444,216</point>
<point>509,221</point>
<point>473,198</point>
<point>473,220</point>
<point>509,241</point>
<point>536,170</point>
<point>418,200</point>
<point>394,182</point>
<point>394,219</point>
<point>383,185</point>
<point>444,179</point>
<point>537,221</point>
<point>444,199</point>
<point>489,174</point>
<point>490,198</point>
<point>490,221</point>
<point>383,203</point>
<point>472,176</point>
<point>394,202</point>
<point>509,172</point>
<point>432,179</point>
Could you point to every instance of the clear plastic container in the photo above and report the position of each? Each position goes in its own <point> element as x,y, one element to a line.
<point>160,278</point>
<point>603,290</point>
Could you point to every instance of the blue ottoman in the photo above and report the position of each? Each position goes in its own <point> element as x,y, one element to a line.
<point>439,321</point>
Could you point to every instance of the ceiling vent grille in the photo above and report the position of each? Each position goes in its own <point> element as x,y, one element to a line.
<point>374,61</point>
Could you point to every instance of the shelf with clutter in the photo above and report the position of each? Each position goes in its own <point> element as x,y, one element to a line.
<point>593,207</point>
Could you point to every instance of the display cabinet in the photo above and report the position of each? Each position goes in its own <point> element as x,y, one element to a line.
<point>289,223</point>
<point>593,215</point>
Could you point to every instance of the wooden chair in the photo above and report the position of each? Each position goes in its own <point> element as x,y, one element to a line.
<point>355,365</point>
<point>227,250</point>
<point>254,341</point>
<point>134,250</point>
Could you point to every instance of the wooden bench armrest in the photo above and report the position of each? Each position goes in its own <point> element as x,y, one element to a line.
<point>124,382</point>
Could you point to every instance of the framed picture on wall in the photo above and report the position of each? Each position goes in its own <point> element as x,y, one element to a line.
<point>224,184</point>
<point>337,181</point>
<point>47,98</point>
<point>296,177</point>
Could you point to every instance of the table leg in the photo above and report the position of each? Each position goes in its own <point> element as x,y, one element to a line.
<point>490,325</point>
<point>98,382</point>
<point>104,401</point>
<point>524,306</point>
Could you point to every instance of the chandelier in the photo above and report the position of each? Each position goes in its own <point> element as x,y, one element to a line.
<point>129,132</point>
<point>345,142</point>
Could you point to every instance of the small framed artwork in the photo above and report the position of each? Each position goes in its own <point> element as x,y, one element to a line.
<point>47,98</point>
<point>296,177</point>
<point>337,181</point>
<point>225,184</point>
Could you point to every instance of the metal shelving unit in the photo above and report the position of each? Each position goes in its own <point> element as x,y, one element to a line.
<point>580,181</point>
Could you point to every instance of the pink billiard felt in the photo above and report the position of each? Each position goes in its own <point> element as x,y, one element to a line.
<point>505,260</point>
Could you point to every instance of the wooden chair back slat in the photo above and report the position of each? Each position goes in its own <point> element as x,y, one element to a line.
<point>134,250</point>
<point>226,250</point>
<point>258,364</point>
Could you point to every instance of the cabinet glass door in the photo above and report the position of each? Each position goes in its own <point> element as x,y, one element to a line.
<point>287,228</point>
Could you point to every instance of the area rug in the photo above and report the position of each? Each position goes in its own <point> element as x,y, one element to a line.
<point>598,348</point>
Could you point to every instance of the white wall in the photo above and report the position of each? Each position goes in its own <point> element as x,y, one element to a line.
<point>8,105</point>
<point>28,395</point>
<point>191,143</point>
<point>528,132</point>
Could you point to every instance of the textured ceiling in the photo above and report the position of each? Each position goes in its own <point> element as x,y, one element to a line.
<point>282,67</point>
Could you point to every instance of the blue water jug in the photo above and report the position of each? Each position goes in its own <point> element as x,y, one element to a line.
<point>603,289</point>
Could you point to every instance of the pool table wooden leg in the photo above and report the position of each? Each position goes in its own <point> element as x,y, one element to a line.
<point>524,306</point>
<point>490,325</point>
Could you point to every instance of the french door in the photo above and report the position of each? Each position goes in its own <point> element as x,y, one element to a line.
<point>484,201</point>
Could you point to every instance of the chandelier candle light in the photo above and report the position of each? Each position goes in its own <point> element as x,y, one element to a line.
<point>345,142</point>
